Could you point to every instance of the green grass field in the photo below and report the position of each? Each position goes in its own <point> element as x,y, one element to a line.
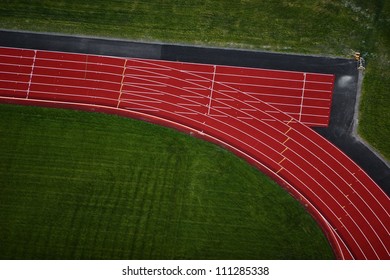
<point>77,185</point>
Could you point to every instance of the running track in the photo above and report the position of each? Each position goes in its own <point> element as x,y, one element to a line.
<point>261,115</point>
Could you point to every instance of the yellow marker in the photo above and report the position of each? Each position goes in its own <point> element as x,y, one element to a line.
<point>357,56</point>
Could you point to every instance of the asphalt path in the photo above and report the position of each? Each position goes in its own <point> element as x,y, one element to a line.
<point>340,131</point>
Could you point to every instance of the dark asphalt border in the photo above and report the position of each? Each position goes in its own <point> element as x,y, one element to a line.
<point>340,130</point>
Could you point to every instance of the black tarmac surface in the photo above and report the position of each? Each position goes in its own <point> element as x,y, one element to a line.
<point>340,130</point>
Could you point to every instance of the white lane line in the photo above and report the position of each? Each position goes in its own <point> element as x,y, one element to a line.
<point>76,70</point>
<point>142,109</point>
<point>31,74</point>
<point>228,91</point>
<point>223,107</point>
<point>76,78</point>
<point>249,110</point>
<point>272,78</point>
<point>141,92</point>
<point>219,116</point>
<point>192,96</point>
<point>49,93</point>
<point>146,76</point>
<point>303,95</point>
<point>224,99</point>
<point>18,69</point>
<point>233,84</point>
<point>211,90</point>
<point>244,118</point>
<point>185,113</point>
<point>75,87</point>
<point>191,105</point>
<point>147,67</point>
<point>144,84</point>
<point>14,89</point>
<point>195,88</point>
<point>82,62</point>
<point>120,90</point>
<point>276,104</point>
<point>141,101</point>
<point>195,80</point>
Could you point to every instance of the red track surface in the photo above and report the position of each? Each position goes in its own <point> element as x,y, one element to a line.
<point>261,115</point>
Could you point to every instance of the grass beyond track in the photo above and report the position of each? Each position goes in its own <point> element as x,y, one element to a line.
<point>76,185</point>
<point>319,27</point>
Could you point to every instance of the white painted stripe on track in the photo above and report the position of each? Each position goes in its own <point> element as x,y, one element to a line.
<point>76,87</point>
<point>76,70</point>
<point>303,96</point>
<point>192,96</point>
<point>141,92</point>
<point>274,78</point>
<point>146,76</point>
<point>121,88</point>
<point>185,113</point>
<point>13,73</point>
<point>72,95</point>
<point>31,74</point>
<point>212,89</point>
<point>82,62</point>
<point>12,89</point>
<point>144,84</point>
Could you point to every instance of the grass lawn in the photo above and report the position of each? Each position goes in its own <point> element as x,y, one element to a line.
<point>326,27</point>
<point>77,185</point>
<point>375,109</point>
<point>307,26</point>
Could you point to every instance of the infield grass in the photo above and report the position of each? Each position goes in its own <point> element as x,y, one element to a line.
<point>77,185</point>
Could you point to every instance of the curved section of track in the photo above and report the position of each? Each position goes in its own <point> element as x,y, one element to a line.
<point>260,115</point>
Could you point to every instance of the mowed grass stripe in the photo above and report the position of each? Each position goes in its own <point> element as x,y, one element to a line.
<point>77,185</point>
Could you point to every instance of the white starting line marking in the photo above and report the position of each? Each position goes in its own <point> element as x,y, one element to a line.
<point>120,90</point>
<point>211,90</point>
<point>31,74</point>
<point>303,95</point>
